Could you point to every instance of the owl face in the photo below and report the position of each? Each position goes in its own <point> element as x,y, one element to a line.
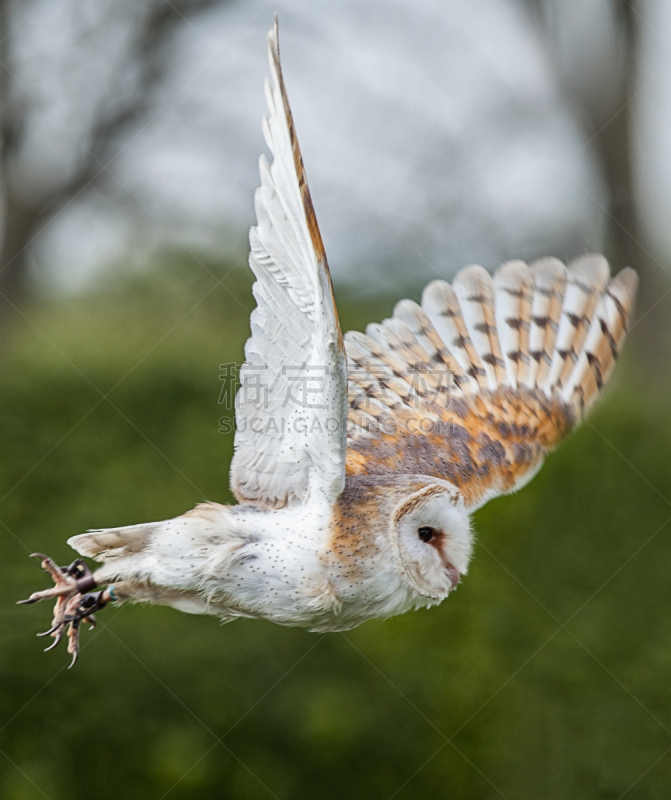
<point>432,540</point>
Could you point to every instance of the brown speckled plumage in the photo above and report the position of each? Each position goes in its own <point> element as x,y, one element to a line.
<point>366,500</point>
<point>480,382</point>
<point>487,444</point>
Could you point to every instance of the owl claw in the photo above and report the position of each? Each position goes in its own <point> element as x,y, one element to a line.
<point>74,602</point>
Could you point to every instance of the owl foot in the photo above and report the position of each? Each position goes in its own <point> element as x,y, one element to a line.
<point>74,602</point>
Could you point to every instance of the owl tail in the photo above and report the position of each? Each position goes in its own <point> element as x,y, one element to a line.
<point>168,562</point>
<point>170,553</point>
<point>547,326</point>
<point>134,540</point>
<point>114,542</point>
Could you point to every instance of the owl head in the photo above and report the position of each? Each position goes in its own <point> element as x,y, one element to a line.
<point>432,539</point>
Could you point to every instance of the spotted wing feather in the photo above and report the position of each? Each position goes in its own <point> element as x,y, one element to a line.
<point>549,285</point>
<point>478,383</point>
<point>475,290</point>
<point>513,283</point>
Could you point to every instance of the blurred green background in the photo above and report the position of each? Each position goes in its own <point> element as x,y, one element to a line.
<point>545,675</point>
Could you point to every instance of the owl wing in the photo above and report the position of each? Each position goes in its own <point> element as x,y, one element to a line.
<point>291,406</point>
<point>478,383</point>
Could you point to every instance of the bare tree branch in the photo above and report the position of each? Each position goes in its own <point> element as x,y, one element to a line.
<point>146,59</point>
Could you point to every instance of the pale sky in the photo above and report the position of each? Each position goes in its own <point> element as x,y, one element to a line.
<point>432,131</point>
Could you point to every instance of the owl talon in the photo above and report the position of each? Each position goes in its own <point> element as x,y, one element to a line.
<point>74,602</point>
<point>57,634</point>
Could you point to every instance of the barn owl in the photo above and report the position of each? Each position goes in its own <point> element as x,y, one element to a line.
<point>359,459</point>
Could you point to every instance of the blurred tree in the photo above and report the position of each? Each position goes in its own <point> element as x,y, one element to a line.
<point>79,85</point>
<point>65,108</point>
<point>469,154</point>
<point>595,46</point>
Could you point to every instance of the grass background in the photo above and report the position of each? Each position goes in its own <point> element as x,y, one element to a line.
<point>546,675</point>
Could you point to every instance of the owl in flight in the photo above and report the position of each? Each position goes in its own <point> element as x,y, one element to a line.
<point>359,459</point>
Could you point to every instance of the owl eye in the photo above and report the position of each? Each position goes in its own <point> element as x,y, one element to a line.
<point>426,533</point>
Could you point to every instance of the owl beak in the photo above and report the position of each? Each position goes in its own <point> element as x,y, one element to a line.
<point>453,574</point>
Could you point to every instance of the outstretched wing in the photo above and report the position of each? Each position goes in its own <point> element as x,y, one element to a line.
<point>478,383</point>
<point>292,403</point>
